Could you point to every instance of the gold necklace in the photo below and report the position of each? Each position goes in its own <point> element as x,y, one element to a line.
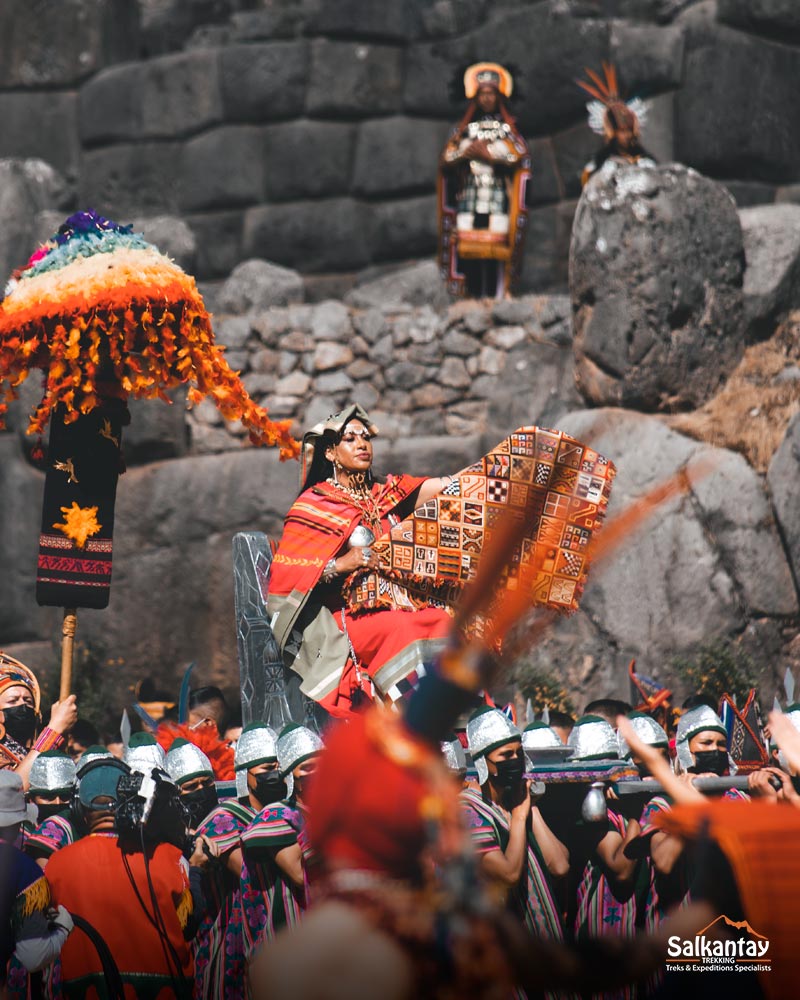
<point>362,499</point>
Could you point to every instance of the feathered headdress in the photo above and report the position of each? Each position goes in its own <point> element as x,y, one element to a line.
<point>608,105</point>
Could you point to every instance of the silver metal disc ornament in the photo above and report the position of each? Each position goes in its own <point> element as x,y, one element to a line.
<point>360,536</point>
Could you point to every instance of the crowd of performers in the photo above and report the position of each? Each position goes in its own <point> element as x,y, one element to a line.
<point>373,858</point>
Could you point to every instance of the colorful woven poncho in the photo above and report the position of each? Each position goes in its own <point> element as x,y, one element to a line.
<point>104,313</point>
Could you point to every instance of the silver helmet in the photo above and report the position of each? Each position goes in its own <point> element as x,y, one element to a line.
<point>488,729</point>
<point>592,738</point>
<point>539,736</point>
<point>648,731</point>
<point>95,752</point>
<point>454,755</point>
<point>185,761</point>
<point>258,744</point>
<point>144,753</point>
<point>697,720</point>
<point>296,744</point>
<point>52,771</point>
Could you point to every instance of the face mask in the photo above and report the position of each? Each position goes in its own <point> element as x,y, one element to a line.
<point>270,787</point>
<point>710,761</point>
<point>509,773</point>
<point>44,810</point>
<point>20,722</point>
<point>200,804</point>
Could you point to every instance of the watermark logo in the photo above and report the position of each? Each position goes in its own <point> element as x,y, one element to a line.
<point>724,945</point>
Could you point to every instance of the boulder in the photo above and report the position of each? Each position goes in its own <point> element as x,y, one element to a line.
<point>259,284</point>
<point>784,483</point>
<point>58,43</point>
<point>771,236</point>
<point>171,235</point>
<point>354,79</point>
<point>416,284</point>
<point>27,188</point>
<point>715,548</point>
<point>655,267</point>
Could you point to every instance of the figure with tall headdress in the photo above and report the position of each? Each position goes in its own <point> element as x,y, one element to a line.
<point>619,122</point>
<point>482,181</point>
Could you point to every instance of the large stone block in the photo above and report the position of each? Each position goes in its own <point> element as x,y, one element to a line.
<point>27,189</point>
<point>396,155</point>
<point>263,82</point>
<point>573,148</point>
<point>168,24</point>
<point>41,125</point>
<point>157,430</point>
<point>544,262</point>
<point>778,19</point>
<point>218,236</point>
<point>429,73</point>
<point>404,228</point>
<point>307,159</point>
<point>656,266</point>
<point>354,78</point>
<point>545,185</point>
<point>367,19</point>
<point>58,43</point>
<point>131,179</point>
<point>208,181</point>
<point>330,234</point>
<point>110,105</point>
<point>550,48</point>
<point>729,133</point>
<point>181,94</point>
<point>772,255</point>
<point>648,58</point>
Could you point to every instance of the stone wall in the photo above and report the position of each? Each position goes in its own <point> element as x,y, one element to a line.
<point>307,133</point>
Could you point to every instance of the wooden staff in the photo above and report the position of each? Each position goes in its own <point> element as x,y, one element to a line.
<point>67,644</point>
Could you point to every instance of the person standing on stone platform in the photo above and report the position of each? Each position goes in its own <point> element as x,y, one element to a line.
<point>618,122</point>
<point>482,183</point>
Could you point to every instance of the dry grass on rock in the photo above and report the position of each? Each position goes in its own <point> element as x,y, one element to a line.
<point>752,411</point>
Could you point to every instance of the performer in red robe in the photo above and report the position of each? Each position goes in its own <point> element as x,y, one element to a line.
<point>346,658</point>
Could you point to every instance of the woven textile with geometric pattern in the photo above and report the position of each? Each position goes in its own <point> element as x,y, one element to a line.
<point>554,484</point>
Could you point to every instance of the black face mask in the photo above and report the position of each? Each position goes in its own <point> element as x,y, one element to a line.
<point>200,803</point>
<point>20,722</point>
<point>270,787</point>
<point>509,773</point>
<point>710,762</point>
<point>44,810</point>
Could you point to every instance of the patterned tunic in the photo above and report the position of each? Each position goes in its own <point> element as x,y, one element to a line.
<point>601,911</point>
<point>532,898</point>
<point>270,901</point>
<point>219,944</point>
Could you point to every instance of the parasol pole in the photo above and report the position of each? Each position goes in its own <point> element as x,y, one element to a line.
<point>67,645</point>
